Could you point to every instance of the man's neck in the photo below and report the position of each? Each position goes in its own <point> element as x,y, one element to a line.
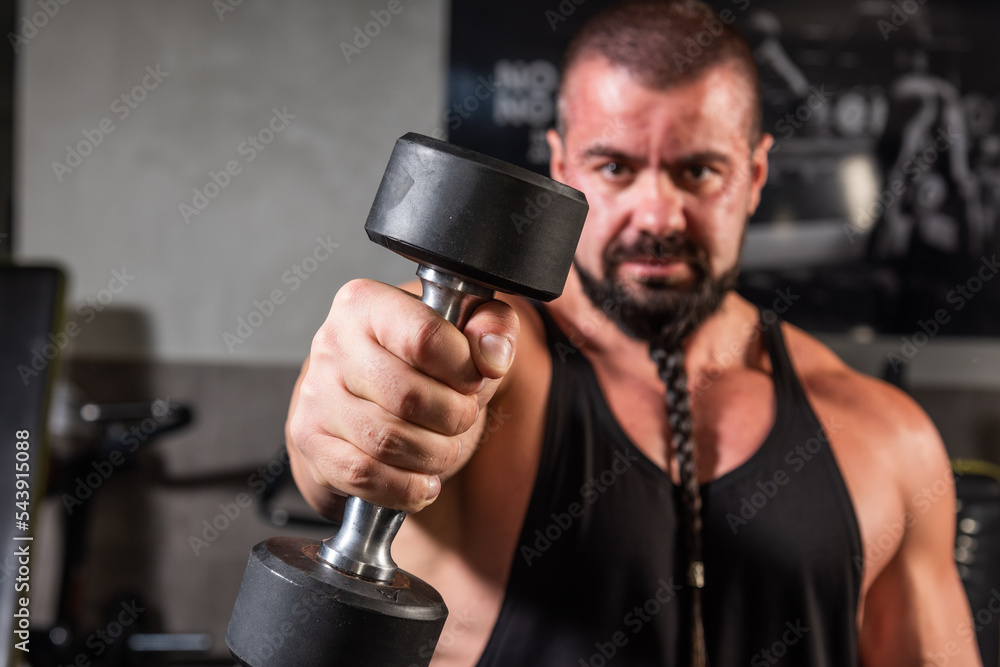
<point>720,341</point>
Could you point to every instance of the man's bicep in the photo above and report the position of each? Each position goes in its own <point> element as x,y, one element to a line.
<point>918,600</point>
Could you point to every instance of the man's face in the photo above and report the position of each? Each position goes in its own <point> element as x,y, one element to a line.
<point>671,179</point>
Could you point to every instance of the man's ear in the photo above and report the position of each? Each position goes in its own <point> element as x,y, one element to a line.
<point>758,177</point>
<point>557,159</point>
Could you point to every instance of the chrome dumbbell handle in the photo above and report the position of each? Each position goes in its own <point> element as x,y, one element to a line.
<point>362,545</point>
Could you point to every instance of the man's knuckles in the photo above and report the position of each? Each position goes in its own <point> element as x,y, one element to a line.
<point>389,443</point>
<point>411,403</point>
<point>439,409</point>
<point>303,432</point>
<point>333,337</point>
<point>359,295</point>
<point>429,343</point>
<point>361,473</point>
<point>463,416</point>
<point>374,481</point>
<point>427,339</point>
<point>398,445</point>
<point>408,329</point>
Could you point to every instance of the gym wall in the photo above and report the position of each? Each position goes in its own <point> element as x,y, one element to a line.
<point>129,114</point>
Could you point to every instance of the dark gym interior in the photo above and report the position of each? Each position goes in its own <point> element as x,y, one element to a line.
<point>184,187</point>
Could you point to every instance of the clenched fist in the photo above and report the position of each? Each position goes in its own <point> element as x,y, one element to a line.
<point>393,396</point>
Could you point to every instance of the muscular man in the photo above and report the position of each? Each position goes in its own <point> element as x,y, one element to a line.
<point>815,521</point>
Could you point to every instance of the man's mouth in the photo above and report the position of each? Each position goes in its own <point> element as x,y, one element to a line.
<point>651,269</point>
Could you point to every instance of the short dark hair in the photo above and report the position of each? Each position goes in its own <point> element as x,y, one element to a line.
<point>663,43</point>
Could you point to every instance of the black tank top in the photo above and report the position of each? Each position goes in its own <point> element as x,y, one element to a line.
<point>598,575</point>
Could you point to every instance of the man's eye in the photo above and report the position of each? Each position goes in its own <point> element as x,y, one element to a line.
<point>699,172</point>
<point>615,169</point>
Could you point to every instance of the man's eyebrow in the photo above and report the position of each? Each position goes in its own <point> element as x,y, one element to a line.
<point>699,157</point>
<point>600,150</point>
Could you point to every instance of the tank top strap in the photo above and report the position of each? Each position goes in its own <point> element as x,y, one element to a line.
<point>556,340</point>
<point>787,387</point>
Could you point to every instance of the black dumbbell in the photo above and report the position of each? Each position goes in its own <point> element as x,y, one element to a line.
<point>476,225</point>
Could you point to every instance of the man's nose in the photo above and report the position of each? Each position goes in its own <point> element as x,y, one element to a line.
<point>659,206</point>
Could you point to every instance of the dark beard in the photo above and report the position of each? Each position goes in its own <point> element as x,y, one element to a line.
<point>658,312</point>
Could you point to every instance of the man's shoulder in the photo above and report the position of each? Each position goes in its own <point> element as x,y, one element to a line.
<point>877,416</point>
<point>826,377</point>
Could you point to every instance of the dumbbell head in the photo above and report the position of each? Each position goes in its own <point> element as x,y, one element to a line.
<point>476,225</point>
<point>295,609</point>
<point>474,216</point>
